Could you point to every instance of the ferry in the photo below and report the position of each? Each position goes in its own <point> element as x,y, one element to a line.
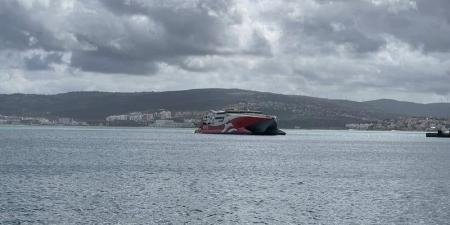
<point>239,122</point>
<point>440,133</point>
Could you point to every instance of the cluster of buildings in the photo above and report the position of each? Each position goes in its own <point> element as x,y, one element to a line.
<point>404,123</point>
<point>161,118</point>
<point>20,120</point>
<point>190,119</point>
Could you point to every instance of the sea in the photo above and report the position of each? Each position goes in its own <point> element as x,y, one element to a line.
<point>104,175</point>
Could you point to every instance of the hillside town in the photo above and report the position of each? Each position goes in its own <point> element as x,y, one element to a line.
<point>403,123</point>
<point>26,120</point>
<point>190,119</point>
<point>160,118</point>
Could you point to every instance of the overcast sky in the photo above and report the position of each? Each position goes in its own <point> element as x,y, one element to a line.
<point>350,49</point>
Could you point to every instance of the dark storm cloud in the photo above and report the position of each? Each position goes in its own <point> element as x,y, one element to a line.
<point>168,34</point>
<point>100,61</point>
<point>171,32</point>
<point>362,24</point>
<point>399,45</point>
<point>132,36</point>
<point>433,29</point>
<point>19,30</point>
<point>337,22</point>
<point>13,24</point>
<point>42,62</point>
<point>356,45</point>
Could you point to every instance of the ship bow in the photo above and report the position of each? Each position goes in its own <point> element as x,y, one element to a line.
<point>265,127</point>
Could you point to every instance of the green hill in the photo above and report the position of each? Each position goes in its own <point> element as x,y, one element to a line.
<point>292,110</point>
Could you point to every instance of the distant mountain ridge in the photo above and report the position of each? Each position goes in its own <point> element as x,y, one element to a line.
<point>292,110</point>
<point>410,108</point>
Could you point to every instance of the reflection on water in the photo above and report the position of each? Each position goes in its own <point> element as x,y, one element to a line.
<point>172,176</point>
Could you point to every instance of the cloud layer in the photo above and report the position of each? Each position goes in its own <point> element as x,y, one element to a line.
<point>362,49</point>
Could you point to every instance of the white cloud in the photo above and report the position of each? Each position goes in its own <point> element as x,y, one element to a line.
<point>359,50</point>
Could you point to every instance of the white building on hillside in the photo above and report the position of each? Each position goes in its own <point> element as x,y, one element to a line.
<point>165,115</point>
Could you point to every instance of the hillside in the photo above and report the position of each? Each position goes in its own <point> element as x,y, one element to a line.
<point>409,108</point>
<point>292,110</point>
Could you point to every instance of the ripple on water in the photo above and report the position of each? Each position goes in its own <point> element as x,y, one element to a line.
<point>171,176</point>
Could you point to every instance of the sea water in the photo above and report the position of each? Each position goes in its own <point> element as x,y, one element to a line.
<point>95,175</point>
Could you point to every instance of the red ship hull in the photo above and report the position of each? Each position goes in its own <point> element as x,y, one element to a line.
<point>242,124</point>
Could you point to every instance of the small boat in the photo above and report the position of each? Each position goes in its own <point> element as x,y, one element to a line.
<point>239,122</point>
<point>440,133</point>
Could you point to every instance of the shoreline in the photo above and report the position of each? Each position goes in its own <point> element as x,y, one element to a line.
<point>154,127</point>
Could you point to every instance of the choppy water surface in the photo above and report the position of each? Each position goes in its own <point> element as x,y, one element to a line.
<point>58,175</point>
